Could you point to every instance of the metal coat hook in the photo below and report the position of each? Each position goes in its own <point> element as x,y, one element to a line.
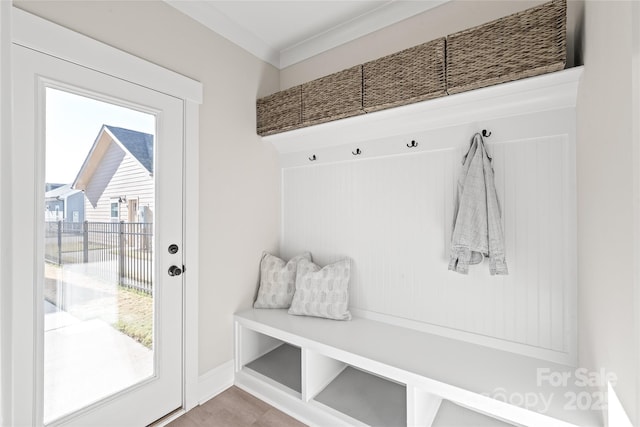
<point>485,133</point>
<point>413,144</point>
<point>313,158</point>
<point>357,152</point>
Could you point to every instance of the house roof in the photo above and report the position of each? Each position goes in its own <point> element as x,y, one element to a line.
<point>61,192</point>
<point>138,144</point>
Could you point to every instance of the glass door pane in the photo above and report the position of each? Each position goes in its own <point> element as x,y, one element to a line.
<point>99,240</point>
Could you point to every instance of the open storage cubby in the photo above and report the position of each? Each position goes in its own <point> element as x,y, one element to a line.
<point>368,398</point>
<point>452,415</point>
<point>352,394</point>
<point>272,361</point>
<point>282,365</point>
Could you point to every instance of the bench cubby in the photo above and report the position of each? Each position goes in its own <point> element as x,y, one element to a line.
<point>281,365</point>
<point>273,361</point>
<point>367,398</point>
<point>452,415</point>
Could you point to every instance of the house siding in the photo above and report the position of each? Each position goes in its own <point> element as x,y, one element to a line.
<point>74,203</point>
<point>118,175</point>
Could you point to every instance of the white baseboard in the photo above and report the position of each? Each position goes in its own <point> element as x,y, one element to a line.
<point>215,381</point>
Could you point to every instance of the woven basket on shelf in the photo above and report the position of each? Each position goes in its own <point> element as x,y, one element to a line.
<point>524,44</point>
<point>332,97</point>
<point>412,75</point>
<point>279,112</point>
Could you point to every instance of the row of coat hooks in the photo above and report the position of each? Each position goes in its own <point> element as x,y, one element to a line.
<point>412,144</point>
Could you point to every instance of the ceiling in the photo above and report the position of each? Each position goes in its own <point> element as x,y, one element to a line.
<point>286,32</point>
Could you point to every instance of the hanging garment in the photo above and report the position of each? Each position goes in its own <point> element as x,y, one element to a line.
<point>477,224</point>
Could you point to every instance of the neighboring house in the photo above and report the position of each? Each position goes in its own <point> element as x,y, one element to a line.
<point>117,177</point>
<point>48,186</point>
<point>63,203</point>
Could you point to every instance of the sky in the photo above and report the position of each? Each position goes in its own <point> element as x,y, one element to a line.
<point>72,125</point>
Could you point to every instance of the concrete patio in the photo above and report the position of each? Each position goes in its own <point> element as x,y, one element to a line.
<point>87,360</point>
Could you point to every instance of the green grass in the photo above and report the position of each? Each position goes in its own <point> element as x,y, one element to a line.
<point>135,316</point>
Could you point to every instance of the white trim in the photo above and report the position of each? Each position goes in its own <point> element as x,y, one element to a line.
<point>28,31</point>
<point>169,418</point>
<point>635,144</point>
<point>215,381</point>
<point>6,381</point>
<point>38,265</point>
<point>209,16</point>
<point>387,14</point>
<point>547,92</point>
<point>191,256</point>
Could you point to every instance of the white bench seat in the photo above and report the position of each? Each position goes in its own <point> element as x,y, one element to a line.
<point>431,367</point>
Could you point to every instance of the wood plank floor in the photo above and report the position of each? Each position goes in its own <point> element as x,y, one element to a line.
<point>235,408</point>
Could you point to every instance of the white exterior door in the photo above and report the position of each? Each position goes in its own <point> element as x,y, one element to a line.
<point>67,377</point>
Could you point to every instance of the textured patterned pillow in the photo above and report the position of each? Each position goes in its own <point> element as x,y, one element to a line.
<point>322,292</point>
<point>277,281</point>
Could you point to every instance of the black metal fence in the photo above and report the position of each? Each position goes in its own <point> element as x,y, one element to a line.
<point>120,250</point>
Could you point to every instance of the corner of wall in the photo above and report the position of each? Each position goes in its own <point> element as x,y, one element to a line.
<point>575,38</point>
<point>215,381</point>
<point>607,171</point>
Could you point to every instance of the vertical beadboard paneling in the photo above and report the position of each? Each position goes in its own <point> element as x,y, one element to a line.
<point>392,215</point>
<point>561,257</point>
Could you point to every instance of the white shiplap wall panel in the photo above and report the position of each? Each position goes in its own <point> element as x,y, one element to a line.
<point>392,215</point>
<point>390,209</point>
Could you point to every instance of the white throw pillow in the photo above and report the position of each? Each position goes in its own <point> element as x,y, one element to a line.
<point>322,292</point>
<point>277,281</point>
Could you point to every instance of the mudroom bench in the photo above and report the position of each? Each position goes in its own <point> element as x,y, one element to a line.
<point>363,372</point>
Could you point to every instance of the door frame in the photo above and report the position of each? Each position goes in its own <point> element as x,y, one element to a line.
<point>5,224</point>
<point>19,395</point>
<point>635,129</point>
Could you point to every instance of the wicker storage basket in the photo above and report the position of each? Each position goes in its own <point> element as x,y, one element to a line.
<point>279,112</point>
<point>332,97</point>
<point>412,75</point>
<point>524,44</point>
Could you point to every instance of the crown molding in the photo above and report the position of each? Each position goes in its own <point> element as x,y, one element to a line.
<point>384,16</point>
<point>209,16</point>
<point>390,13</point>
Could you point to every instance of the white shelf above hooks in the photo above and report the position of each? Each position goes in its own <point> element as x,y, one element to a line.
<point>542,93</point>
